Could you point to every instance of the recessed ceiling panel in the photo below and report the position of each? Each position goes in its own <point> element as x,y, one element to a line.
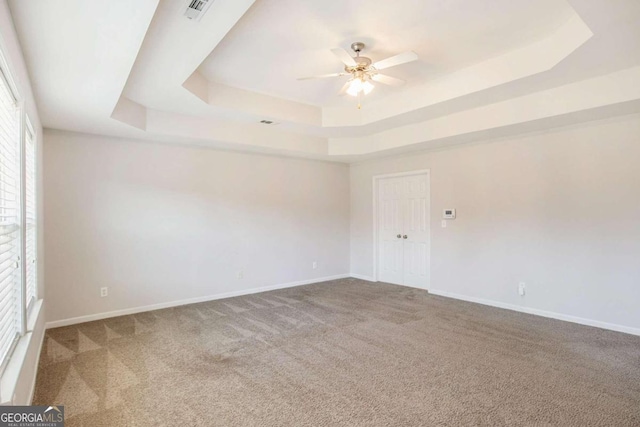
<point>278,41</point>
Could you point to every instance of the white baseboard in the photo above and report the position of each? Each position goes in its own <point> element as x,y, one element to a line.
<point>134,310</point>
<point>362,277</point>
<point>538,312</point>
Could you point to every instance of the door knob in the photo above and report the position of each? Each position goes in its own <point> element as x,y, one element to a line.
<point>399,236</point>
<point>404,237</point>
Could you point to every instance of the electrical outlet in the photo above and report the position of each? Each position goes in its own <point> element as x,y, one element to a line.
<point>521,288</point>
<point>314,264</point>
<point>104,292</point>
<point>240,274</point>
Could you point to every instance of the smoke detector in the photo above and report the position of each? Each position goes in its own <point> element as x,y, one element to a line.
<point>197,8</point>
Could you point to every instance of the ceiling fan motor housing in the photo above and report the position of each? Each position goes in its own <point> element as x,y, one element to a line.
<point>363,63</point>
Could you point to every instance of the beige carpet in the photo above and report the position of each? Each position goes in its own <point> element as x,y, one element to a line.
<point>346,352</point>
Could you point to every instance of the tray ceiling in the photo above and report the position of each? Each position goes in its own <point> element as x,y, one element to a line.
<point>486,69</point>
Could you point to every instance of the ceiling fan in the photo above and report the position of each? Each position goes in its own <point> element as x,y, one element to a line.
<point>363,71</point>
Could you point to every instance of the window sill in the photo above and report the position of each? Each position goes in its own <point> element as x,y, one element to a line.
<point>10,381</point>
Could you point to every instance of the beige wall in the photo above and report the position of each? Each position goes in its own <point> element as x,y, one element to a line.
<point>559,211</point>
<point>159,223</point>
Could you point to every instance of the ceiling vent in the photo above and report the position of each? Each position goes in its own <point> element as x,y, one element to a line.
<point>197,8</point>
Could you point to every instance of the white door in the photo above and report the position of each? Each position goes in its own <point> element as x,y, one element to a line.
<point>403,230</point>
<point>391,198</point>
<point>416,230</point>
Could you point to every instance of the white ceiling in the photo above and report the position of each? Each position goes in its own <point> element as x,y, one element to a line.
<point>278,41</point>
<point>141,69</point>
<point>78,60</point>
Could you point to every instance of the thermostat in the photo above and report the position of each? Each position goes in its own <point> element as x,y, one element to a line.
<point>449,214</point>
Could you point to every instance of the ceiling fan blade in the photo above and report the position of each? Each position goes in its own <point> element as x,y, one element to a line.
<point>323,76</point>
<point>344,56</point>
<point>387,80</point>
<point>399,59</point>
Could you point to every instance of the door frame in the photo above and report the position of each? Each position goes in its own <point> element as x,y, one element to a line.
<point>376,185</point>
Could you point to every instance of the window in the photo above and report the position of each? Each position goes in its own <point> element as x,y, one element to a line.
<point>30,215</point>
<point>18,237</point>
<point>10,277</point>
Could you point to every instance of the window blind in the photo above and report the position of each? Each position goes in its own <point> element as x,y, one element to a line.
<point>30,216</point>
<point>10,280</point>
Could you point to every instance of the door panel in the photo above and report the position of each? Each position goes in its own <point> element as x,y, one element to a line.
<point>415,266</point>
<point>416,228</point>
<point>390,218</point>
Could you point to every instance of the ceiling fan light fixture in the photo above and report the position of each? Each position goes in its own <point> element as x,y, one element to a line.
<point>358,85</point>
<point>367,87</point>
<point>355,87</point>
